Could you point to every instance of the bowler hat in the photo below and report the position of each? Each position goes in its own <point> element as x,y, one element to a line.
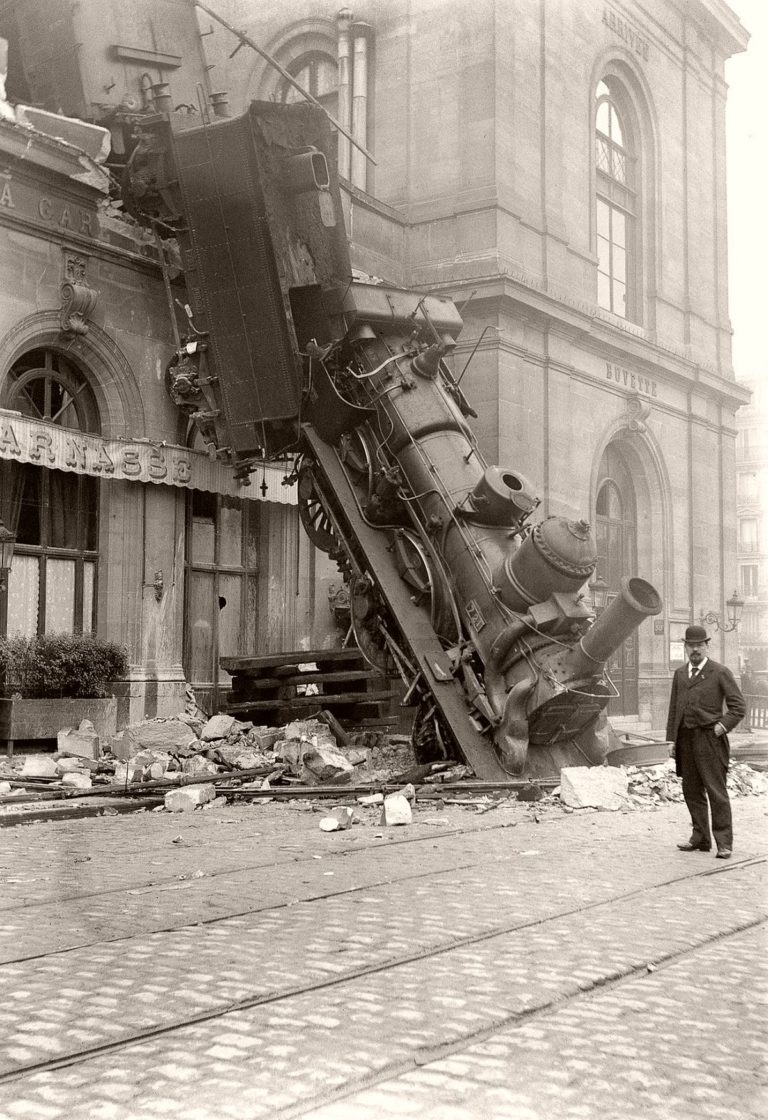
<point>696,634</point>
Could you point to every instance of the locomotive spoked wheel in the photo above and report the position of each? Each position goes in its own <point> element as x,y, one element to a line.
<point>366,613</point>
<point>355,453</point>
<point>431,742</point>
<point>314,517</point>
<point>429,585</point>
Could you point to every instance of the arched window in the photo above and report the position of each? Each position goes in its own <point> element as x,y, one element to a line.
<point>333,61</point>
<point>616,204</point>
<point>318,74</point>
<point>54,514</point>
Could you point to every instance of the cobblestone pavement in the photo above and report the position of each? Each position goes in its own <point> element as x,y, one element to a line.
<point>523,963</point>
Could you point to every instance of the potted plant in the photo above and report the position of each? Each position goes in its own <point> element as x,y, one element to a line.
<point>53,681</point>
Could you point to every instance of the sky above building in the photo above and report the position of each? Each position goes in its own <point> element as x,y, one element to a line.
<point>747,156</point>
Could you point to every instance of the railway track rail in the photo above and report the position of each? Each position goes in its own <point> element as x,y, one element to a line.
<point>312,955</point>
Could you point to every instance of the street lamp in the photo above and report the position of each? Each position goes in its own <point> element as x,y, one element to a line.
<point>734,607</point>
<point>599,588</point>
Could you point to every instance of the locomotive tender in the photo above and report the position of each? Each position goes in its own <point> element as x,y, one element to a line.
<point>453,585</point>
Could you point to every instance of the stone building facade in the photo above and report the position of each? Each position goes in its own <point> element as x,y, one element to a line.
<point>123,525</point>
<point>559,171</point>
<point>752,539</point>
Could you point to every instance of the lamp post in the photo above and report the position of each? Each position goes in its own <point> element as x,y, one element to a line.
<point>734,606</point>
<point>7,545</point>
<point>599,588</point>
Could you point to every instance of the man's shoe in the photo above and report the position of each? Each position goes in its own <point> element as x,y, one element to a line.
<point>692,847</point>
<point>724,853</point>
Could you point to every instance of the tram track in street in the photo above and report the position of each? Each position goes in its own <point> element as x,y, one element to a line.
<point>425,955</point>
<point>362,849</point>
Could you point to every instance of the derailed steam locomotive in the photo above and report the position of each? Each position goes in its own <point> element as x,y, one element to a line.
<point>453,586</point>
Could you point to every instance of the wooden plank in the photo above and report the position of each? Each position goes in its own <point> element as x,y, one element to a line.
<point>294,657</point>
<point>342,677</point>
<point>362,698</point>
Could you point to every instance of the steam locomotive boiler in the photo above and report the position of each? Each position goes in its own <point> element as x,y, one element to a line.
<point>453,584</point>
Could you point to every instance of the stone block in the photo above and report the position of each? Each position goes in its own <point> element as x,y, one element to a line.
<point>243,756</point>
<point>170,735</point>
<point>264,738</point>
<point>338,819</point>
<point>323,761</point>
<point>217,727</point>
<point>369,799</point>
<point>199,765</point>
<point>81,742</point>
<point>77,778</point>
<point>183,800</point>
<point>90,138</point>
<point>42,766</point>
<point>74,765</point>
<point>5,789</point>
<point>396,810</point>
<point>596,787</point>
<point>127,772</point>
<point>120,747</point>
<point>251,760</point>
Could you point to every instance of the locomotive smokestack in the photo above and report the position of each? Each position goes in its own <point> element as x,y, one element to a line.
<point>637,600</point>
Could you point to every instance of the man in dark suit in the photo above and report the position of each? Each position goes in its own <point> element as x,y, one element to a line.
<point>706,703</point>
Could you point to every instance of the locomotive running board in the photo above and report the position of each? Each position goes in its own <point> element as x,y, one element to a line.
<point>424,643</point>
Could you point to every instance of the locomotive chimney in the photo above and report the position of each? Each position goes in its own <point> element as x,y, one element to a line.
<point>636,601</point>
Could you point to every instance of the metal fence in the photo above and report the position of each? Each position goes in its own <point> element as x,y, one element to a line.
<point>757,711</point>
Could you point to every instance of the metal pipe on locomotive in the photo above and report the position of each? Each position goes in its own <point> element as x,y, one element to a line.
<point>452,583</point>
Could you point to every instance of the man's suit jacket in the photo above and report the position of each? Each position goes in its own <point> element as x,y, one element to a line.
<point>710,697</point>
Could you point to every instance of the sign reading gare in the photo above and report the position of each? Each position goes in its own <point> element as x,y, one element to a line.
<point>29,203</point>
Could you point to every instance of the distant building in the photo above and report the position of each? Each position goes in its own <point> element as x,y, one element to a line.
<point>558,170</point>
<point>752,515</point>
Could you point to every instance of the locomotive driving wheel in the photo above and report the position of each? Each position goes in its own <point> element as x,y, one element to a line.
<point>367,614</point>
<point>314,515</point>
<point>355,453</point>
<point>431,741</point>
<point>429,586</point>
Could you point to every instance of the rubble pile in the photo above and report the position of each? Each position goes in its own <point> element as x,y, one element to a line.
<point>653,785</point>
<point>186,749</point>
<point>190,762</point>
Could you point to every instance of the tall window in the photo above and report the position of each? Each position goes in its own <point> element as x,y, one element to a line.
<point>616,216</point>
<point>746,486</point>
<point>749,573</point>
<point>748,534</point>
<point>318,74</point>
<point>54,514</point>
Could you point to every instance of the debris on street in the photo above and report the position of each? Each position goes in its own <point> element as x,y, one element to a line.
<point>396,809</point>
<point>338,819</point>
<point>189,762</point>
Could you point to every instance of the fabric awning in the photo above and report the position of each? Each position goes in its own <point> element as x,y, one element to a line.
<point>24,440</point>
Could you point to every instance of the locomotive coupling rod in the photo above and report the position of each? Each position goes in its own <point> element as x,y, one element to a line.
<point>249,42</point>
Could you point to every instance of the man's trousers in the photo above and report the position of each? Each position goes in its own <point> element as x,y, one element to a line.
<point>703,761</point>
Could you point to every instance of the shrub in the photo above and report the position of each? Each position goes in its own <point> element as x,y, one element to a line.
<point>54,665</point>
